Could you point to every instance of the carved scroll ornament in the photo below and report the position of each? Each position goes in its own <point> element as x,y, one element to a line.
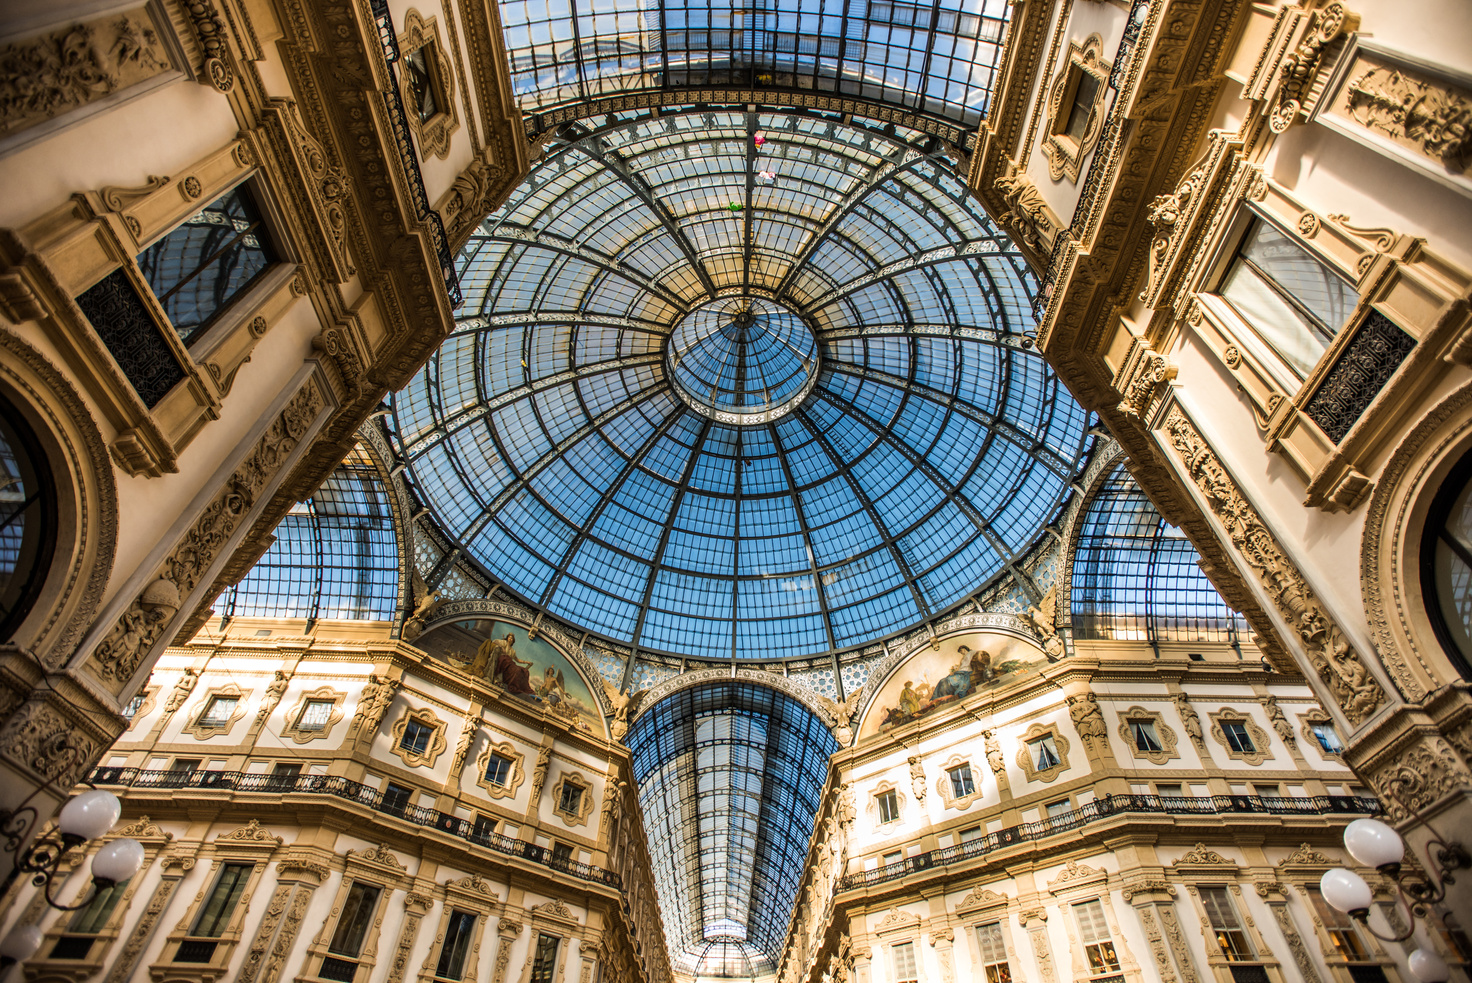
<point>1334,660</point>
<point>141,625</point>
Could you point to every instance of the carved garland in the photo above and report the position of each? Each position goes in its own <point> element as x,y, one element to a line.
<point>1338,666</point>
<point>143,623</point>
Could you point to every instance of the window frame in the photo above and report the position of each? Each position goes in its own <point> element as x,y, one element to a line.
<point>516,776</point>
<point>1064,154</point>
<point>435,746</point>
<point>887,798</point>
<point>291,728</point>
<point>455,945</point>
<point>1039,733</point>
<point>913,952</point>
<point>1261,745</point>
<point>585,799</point>
<point>1164,734</point>
<point>1438,515</point>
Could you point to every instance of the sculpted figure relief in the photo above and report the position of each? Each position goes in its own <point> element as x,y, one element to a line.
<point>274,691</point>
<point>1189,718</point>
<point>374,703</point>
<point>1089,720</point>
<point>181,690</point>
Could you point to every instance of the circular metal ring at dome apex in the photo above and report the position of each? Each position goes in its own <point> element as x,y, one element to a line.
<point>742,360</point>
<point>558,459</point>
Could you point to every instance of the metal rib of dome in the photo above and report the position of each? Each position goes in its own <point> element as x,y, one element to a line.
<point>548,440</point>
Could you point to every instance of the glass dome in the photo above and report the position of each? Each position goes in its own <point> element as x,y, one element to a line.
<point>741,385</point>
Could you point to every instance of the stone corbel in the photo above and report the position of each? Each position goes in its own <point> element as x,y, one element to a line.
<point>1178,214</point>
<point>1027,215</point>
<point>1292,59</point>
<point>1141,379</point>
<point>215,67</point>
<point>317,185</point>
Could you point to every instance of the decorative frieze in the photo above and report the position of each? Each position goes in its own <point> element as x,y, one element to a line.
<point>142,624</point>
<point>1334,660</point>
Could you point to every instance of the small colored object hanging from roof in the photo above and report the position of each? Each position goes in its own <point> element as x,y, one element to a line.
<point>736,206</point>
<point>760,139</point>
<point>766,177</point>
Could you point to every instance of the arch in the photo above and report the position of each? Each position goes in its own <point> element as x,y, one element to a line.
<point>85,495</point>
<point>347,529</point>
<point>762,761</point>
<point>1390,547</point>
<point>1133,576</point>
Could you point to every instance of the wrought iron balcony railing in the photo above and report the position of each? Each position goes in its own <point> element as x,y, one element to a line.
<point>357,792</point>
<point>1113,805</point>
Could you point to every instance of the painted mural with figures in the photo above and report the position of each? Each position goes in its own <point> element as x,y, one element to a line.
<point>931,678</point>
<point>527,668</point>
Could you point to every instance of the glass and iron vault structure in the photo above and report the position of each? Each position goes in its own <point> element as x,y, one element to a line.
<point>739,386</point>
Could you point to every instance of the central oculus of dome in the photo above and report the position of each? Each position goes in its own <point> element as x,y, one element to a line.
<point>742,360</point>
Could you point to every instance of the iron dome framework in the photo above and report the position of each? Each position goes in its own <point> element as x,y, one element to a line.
<point>547,441</point>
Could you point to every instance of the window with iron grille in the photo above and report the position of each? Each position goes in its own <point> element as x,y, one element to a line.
<point>1096,938</point>
<point>1238,739</point>
<point>484,827</point>
<point>562,853</point>
<point>458,932</point>
<point>197,269</point>
<point>903,955</point>
<point>961,783</point>
<point>1222,916</point>
<point>994,966</point>
<point>395,799</point>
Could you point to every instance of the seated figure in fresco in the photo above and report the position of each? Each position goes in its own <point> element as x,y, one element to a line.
<point>506,670</point>
<point>962,680</point>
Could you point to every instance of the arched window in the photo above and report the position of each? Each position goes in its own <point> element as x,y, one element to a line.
<point>1135,576</point>
<point>1446,566</point>
<point>27,519</point>
<point>336,555</point>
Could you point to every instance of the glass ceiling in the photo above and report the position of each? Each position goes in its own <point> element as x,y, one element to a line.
<point>938,59</point>
<point>1136,576</point>
<point>871,445</point>
<point>730,777</point>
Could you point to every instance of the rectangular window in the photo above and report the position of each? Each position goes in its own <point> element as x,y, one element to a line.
<point>395,799</point>
<point>134,705</point>
<point>1168,791</point>
<point>214,916</point>
<point>893,858</point>
<point>1237,737</point>
<point>416,737</point>
<point>889,806</point>
<point>187,766</point>
<point>1056,809</point>
<point>1341,929</point>
<point>417,64</point>
<point>1094,933</point>
<point>1222,916</point>
<point>1044,752</point>
<point>993,953</point>
<point>562,852</point>
<point>284,774</point>
<point>314,715</point>
<point>1143,732</point>
<point>352,928</point>
<point>1327,737</point>
<point>92,919</point>
<point>546,959</point>
<point>219,711</point>
<point>1291,300</point>
<point>483,828</point>
<point>197,269</point>
<point>457,944</point>
<point>498,770</point>
<point>961,783</point>
<point>1085,91</point>
<point>904,963</point>
<point>571,799</point>
<point>970,834</point>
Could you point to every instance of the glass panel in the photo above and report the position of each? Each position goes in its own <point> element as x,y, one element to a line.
<point>1083,104</point>
<point>352,924</point>
<point>336,555</point>
<point>1238,739</point>
<point>993,953</point>
<point>26,517</point>
<point>1144,734</point>
<point>572,798</point>
<point>545,961</point>
<point>93,918</point>
<point>904,963</point>
<point>1045,753</point>
<point>1294,302</point>
<point>575,434</point>
<point>416,737</point>
<point>1137,577</point>
<point>315,715</point>
<point>1327,737</point>
<point>961,783</point>
<point>458,933</point>
<point>889,807</point>
<point>498,770</point>
<point>196,269</point>
<point>214,917</point>
<point>1447,577</point>
<point>1222,916</point>
<point>220,710</point>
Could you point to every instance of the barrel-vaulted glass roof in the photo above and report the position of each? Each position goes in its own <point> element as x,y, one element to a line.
<point>937,59</point>
<point>741,385</point>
